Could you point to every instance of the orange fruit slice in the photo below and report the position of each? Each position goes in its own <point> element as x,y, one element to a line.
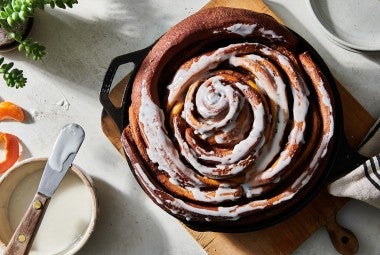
<point>9,110</point>
<point>12,151</point>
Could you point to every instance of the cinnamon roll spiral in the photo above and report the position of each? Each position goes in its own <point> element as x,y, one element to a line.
<point>230,117</point>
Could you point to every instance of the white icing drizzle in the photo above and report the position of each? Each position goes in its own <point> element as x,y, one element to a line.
<point>278,95</point>
<point>161,150</point>
<point>218,105</point>
<point>242,29</point>
<point>203,196</point>
<point>287,195</point>
<point>300,109</point>
<point>184,77</point>
<point>321,152</point>
<point>192,158</point>
<point>229,99</point>
<point>223,97</point>
<point>248,29</point>
<point>183,208</point>
<point>244,147</point>
<point>270,34</point>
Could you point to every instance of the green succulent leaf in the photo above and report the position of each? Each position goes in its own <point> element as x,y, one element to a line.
<point>21,47</point>
<point>10,21</point>
<point>12,77</point>
<point>61,3</point>
<point>3,15</point>
<point>22,15</point>
<point>15,16</point>
<point>17,8</point>
<point>8,9</point>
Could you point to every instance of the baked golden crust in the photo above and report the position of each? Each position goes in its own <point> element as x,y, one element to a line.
<point>230,117</point>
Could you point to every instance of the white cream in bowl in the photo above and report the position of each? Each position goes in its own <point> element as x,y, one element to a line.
<point>69,219</point>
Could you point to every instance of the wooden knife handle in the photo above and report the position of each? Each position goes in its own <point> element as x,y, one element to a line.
<point>23,237</point>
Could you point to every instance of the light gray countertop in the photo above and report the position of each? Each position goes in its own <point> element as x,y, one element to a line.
<point>65,87</point>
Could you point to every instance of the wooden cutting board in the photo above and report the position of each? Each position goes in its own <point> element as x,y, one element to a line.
<point>286,236</point>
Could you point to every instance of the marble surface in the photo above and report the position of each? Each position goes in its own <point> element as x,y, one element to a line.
<point>65,86</point>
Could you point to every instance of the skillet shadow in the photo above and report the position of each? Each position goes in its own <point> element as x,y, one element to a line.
<point>79,49</point>
<point>124,225</point>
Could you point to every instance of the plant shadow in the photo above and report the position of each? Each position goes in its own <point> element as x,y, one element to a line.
<point>79,49</point>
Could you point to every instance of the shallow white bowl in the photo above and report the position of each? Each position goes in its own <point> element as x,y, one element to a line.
<point>70,218</point>
<point>352,24</point>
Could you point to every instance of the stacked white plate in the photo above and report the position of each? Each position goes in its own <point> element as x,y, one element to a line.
<point>352,24</point>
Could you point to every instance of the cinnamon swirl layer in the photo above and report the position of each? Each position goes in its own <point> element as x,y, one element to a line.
<point>230,116</point>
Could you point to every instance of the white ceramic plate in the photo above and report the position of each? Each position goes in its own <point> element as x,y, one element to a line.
<point>353,24</point>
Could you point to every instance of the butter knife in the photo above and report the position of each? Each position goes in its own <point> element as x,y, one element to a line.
<point>65,149</point>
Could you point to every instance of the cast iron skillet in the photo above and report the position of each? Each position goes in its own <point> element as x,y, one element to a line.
<point>343,158</point>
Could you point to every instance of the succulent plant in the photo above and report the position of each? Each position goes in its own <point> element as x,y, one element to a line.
<point>12,14</point>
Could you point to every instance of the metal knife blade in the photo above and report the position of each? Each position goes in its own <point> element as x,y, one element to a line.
<point>64,151</point>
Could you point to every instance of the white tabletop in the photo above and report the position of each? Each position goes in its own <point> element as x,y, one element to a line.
<point>65,87</point>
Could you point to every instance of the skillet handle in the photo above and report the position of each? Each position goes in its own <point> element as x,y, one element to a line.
<point>346,160</point>
<point>117,113</point>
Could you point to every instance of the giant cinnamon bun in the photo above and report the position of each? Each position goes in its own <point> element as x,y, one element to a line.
<point>231,121</point>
